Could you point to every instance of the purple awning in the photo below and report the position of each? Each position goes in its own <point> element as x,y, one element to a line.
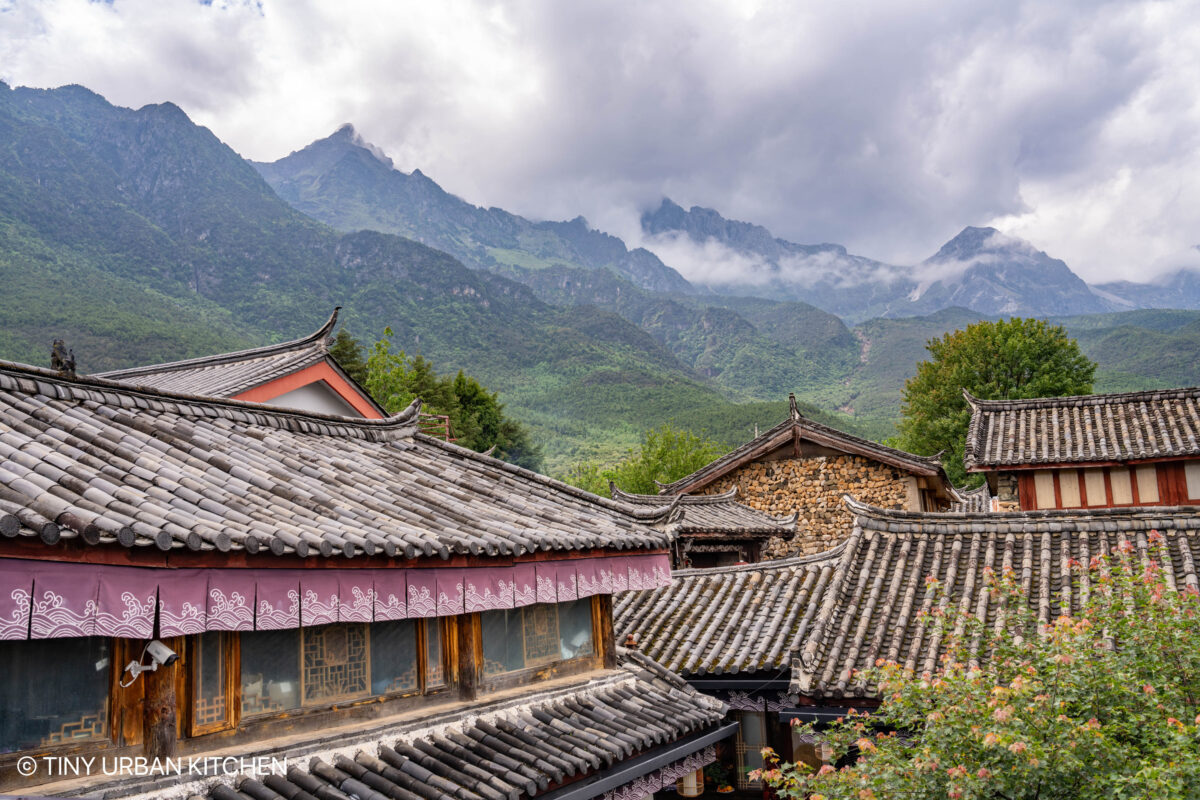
<point>182,602</point>
<point>230,601</point>
<point>422,593</point>
<point>46,599</point>
<point>277,601</point>
<point>566,581</point>
<point>488,589</point>
<point>126,603</point>
<point>318,597</point>
<point>356,595</point>
<point>16,594</point>
<point>391,590</point>
<point>64,600</point>
<point>524,585</point>
<point>450,600</point>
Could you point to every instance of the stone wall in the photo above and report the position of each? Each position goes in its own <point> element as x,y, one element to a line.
<point>1007,497</point>
<point>814,487</point>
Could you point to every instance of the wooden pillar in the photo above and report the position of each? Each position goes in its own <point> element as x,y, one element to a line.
<point>466,656</point>
<point>160,716</point>
<point>602,611</point>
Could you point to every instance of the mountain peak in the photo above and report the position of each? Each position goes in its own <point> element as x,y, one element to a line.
<point>348,134</point>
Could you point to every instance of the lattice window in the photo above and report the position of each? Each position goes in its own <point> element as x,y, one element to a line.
<point>53,691</point>
<point>435,671</point>
<point>336,663</point>
<point>539,626</point>
<point>208,680</point>
<point>751,739</point>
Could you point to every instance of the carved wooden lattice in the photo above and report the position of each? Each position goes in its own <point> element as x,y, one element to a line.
<point>89,726</point>
<point>208,711</point>
<point>540,625</point>
<point>336,662</point>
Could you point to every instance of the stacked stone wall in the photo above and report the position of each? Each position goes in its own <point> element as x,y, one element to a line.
<point>814,488</point>
<point>1007,496</point>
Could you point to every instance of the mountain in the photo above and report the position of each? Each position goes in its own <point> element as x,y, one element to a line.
<point>349,184</point>
<point>979,269</point>
<point>1177,289</point>
<point>139,236</point>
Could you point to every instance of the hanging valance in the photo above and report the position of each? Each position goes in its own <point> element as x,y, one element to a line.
<point>49,600</point>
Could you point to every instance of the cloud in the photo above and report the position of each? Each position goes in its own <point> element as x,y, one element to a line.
<point>885,127</point>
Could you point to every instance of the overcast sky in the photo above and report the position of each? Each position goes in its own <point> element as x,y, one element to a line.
<point>883,126</point>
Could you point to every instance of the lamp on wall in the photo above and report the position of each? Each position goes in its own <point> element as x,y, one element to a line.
<point>691,785</point>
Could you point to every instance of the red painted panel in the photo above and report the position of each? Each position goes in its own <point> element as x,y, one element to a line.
<point>317,372</point>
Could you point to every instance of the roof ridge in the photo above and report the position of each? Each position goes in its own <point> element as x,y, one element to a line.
<point>84,387</point>
<point>318,338</point>
<point>980,404</point>
<point>800,424</point>
<point>865,511</point>
<point>771,564</point>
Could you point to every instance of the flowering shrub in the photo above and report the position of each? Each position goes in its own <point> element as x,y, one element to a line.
<point>1100,704</point>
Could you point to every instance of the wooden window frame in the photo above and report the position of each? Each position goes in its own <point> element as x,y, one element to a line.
<point>1027,487</point>
<point>232,664</point>
<point>550,669</point>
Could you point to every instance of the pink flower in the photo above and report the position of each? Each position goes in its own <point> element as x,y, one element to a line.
<point>1148,689</point>
<point>983,772</point>
<point>1003,714</point>
<point>1017,747</point>
<point>991,739</point>
<point>826,769</point>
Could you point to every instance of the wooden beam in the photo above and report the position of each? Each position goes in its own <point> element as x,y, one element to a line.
<point>160,713</point>
<point>466,654</point>
<point>602,624</point>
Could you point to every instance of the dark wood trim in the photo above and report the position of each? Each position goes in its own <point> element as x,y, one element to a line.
<point>161,708</point>
<point>1080,464</point>
<point>1026,492</point>
<point>77,551</point>
<point>602,629</point>
<point>1058,503</point>
<point>125,715</point>
<point>468,659</point>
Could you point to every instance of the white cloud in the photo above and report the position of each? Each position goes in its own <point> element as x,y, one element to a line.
<point>882,126</point>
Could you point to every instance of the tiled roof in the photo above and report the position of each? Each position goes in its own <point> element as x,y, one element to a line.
<point>1090,428</point>
<point>503,750</point>
<point>973,500</point>
<point>872,608</point>
<point>837,612</point>
<point>728,619</point>
<point>795,428</point>
<point>711,513</point>
<point>105,462</point>
<point>230,374</point>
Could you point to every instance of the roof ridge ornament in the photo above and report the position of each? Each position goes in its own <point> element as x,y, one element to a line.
<point>793,408</point>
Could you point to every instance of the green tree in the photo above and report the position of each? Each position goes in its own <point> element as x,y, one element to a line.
<point>477,419</point>
<point>666,454</point>
<point>348,353</point>
<point>1005,360</point>
<point>1102,704</point>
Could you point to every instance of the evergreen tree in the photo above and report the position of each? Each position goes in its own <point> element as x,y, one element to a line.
<point>348,353</point>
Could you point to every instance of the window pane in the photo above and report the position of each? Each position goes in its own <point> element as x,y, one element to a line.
<point>575,629</point>
<point>1043,486</point>
<point>336,664</point>
<point>53,691</point>
<point>1122,487</point>
<point>1191,471</point>
<point>1147,482</point>
<point>394,657</point>
<point>751,739</point>
<point>1093,483</point>
<point>503,649</point>
<point>1068,486</point>
<point>539,626</point>
<point>270,671</point>
<point>208,676</point>
<point>435,673</point>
